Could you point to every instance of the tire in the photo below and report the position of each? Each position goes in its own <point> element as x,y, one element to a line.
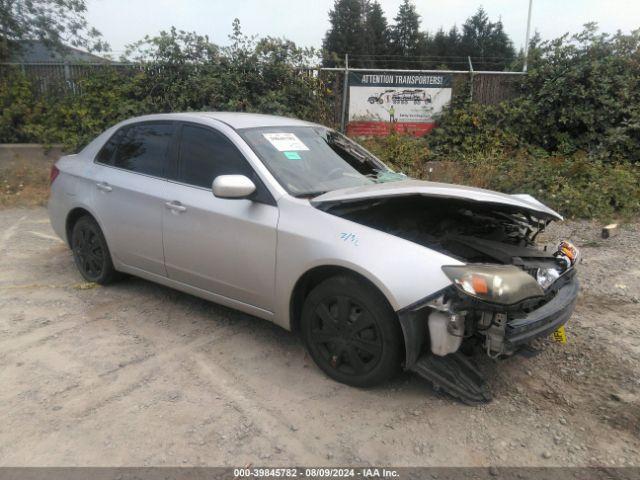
<point>351,332</point>
<point>91,253</point>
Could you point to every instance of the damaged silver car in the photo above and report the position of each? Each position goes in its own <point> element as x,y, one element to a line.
<point>297,224</point>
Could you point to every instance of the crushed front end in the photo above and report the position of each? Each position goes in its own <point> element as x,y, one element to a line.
<point>506,289</point>
<point>504,307</point>
<point>496,308</point>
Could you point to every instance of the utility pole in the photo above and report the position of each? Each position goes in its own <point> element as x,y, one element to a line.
<point>526,40</point>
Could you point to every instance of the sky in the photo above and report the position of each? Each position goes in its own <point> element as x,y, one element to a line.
<point>306,21</point>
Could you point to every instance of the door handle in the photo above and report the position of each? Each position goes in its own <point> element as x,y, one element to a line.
<point>175,206</point>
<point>104,186</point>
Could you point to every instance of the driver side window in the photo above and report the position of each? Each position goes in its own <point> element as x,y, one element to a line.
<point>204,154</point>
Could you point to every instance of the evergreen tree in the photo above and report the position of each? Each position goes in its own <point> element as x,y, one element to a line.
<point>406,38</point>
<point>346,33</point>
<point>486,42</point>
<point>359,27</point>
<point>377,36</point>
<point>439,44</point>
<point>453,41</point>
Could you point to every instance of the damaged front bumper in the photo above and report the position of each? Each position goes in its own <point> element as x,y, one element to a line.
<point>436,329</point>
<point>544,320</point>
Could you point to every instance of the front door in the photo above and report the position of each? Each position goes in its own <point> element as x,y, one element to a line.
<point>224,246</point>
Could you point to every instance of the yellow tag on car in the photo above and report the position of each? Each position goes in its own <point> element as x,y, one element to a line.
<point>560,335</point>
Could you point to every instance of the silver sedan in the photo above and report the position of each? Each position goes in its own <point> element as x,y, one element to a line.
<point>295,223</point>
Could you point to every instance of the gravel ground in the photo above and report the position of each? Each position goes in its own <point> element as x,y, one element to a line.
<point>137,374</point>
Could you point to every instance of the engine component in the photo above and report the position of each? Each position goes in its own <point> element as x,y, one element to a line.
<point>446,332</point>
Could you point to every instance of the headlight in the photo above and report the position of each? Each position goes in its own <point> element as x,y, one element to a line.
<point>546,276</point>
<point>494,283</point>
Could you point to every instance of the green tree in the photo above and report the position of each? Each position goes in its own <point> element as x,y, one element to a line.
<point>583,92</point>
<point>56,22</point>
<point>172,47</point>
<point>377,36</point>
<point>443,48</point>
<point>486,42</point>
<point>346,33</point>
<point>406,38</point>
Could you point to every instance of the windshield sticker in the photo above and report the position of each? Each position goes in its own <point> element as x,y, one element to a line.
<point>293,155</point>
<point>285,141</point>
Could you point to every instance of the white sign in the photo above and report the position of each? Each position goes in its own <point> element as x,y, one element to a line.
<point>285,142</point>
<point>382,102</point>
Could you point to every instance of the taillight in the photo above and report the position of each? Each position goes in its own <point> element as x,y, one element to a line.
<point>54,174</point>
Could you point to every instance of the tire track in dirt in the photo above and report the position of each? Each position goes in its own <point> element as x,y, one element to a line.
<point>10,232</point>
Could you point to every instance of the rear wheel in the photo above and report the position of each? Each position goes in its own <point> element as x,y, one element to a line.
<point>351,332</point>
<point>90,252</point>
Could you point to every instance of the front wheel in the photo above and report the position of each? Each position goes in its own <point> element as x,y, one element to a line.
<point>90,252</point>
<point>351,332</point>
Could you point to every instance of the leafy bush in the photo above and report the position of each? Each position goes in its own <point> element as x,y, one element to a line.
<point>577,185</point>
<point>581,93</point>
<point>177,71</point>
<point>17,105</point>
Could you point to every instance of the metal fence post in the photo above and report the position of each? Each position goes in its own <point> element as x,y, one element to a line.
<point>345,87</point>
<point>470,80</point>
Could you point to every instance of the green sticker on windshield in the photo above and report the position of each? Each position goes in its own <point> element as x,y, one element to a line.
<point>293,155</point>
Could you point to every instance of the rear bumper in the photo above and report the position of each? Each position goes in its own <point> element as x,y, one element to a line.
<point>57,210</point>
<point>544,320</point>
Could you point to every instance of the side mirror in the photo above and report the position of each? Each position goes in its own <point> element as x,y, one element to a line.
<point>232,186</point>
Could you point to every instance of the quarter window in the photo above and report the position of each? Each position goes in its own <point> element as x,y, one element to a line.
<point>109,149</point>
<point>205,154</point>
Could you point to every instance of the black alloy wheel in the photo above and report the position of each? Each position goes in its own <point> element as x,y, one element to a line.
<point>346,335</point>
<point>90,252</point>
<point>351,332</point>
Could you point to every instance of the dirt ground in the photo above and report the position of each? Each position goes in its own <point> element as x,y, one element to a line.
<point>137,374</point>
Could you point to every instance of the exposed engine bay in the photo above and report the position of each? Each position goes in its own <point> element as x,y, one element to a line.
<point>469,231</point>
<point>509,291</point>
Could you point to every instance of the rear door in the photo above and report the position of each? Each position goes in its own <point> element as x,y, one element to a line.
<point>131,183</point>
<point>224,246</point>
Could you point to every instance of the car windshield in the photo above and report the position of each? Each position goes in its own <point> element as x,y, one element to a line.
<point>309,161</point>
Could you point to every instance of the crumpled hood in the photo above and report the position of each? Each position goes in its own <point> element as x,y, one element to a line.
<point>523,202</point>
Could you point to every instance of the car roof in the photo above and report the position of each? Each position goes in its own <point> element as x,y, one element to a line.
<point>236,120</point>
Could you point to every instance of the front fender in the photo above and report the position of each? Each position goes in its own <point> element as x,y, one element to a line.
<point>403,271</point>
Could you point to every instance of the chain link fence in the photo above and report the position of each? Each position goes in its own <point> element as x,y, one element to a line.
<point>484,87</point>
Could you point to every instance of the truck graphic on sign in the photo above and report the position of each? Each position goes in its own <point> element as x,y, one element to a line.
<point>417,96</point>
<point>401,97</point>
<point>377,98</point>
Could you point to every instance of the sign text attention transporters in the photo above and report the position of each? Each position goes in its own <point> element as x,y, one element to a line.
<point>384,101</point>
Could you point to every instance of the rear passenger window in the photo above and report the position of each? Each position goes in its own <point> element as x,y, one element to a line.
<point>205,154</point>
<point>140,148</point>
<point>109,149</point>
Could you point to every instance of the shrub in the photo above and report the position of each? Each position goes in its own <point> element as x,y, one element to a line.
<point>17,105</point>
<point>177,71</point>
<point>580,93</point>
<point>577,185</point>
